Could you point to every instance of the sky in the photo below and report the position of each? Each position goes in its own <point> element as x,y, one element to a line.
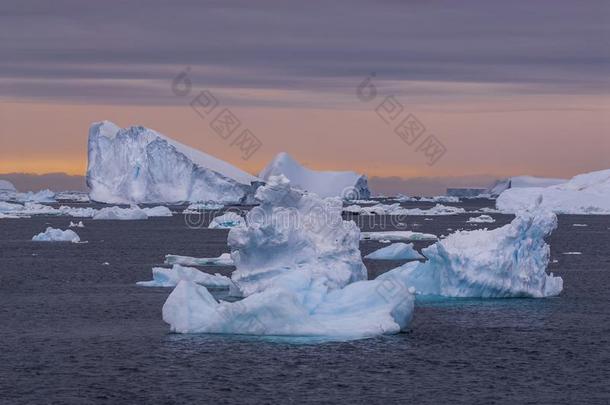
<point>499,88</point>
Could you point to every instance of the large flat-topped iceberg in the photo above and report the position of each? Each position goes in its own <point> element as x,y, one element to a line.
<point>324,183</point>
<point>587,193</point>
<point>139,165</point>
<point>521,182</point>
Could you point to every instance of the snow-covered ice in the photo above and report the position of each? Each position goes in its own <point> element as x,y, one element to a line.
<point>6,185</point>
<point>56,235</point>
<point>510,261</point>
<point>572,253</point>
<point>222,260</point>
<point>77,225</point>
<point>164,277</point>
<point>405,236</point>
<point>202,206</point>
<point>139,165</point>
<point>348,185</point>
<point>227,220</point>
<point>584,194</point>
<point>299,278</point>
<point>42,196</point>
<point>481,219</point>
<point>396,209</point>
<point>159,211</point>
<point>396,251</point>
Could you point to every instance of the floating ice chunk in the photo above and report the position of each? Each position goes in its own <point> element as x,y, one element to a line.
<point>396,209</point>
<point>9,216</point>
<point>43,196</point>
<point>396,251</point>
<point>226,221</point>
<point>584,194</point>
<point>348,185</point>
<point>163,277</point>
<point>440,199</point>
<point>572,253</point>
<point>159,211</point>
<point>77,225</point>
<point>139,165</point>
<point>76,196</point>
<point>202,206</point>
<point>397,236</point>
<point>6,207</point>
<point>57,235</point>
<point>299,267</point>
<point>481,219</point>
<point>580,225</point>
<point>361,309</point>
<point>118,213</point>
<point>505,262</point>
<point>222,260</point>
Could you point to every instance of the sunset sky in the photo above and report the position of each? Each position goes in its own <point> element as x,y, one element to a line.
<point>508,88</point>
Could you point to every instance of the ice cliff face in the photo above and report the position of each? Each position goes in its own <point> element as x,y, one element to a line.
<point>139,165</point>
<point>347,185</point>
<point>587,193</point>
<point>510,261</point>
<point>298,265</point>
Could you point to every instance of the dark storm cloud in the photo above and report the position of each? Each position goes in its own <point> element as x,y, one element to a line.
<point>95,50</point>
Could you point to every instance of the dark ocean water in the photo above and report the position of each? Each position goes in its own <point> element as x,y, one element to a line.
<point>76,331</point>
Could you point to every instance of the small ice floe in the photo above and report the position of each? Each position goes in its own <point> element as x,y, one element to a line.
<point>396,236</point>
<point>396,209</point>
<point>202,206</point>
<point>396,251</point>
<point>77,225</point>
<point>160,211</point>
<point>481,219</point>
<point>571,253</point>
<point>384,241</point>
<point>554,261</point>
<point>105,264</point>
<point>57,235</point>
<point>579,225</point>
<point>428,219</point>
<point>122,214</point>
<point>222,260</point>
<point>163,277</point>
<point>510,261</point>
<point>226,221</point>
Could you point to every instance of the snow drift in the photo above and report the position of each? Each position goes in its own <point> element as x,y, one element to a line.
<point>139,165</point>
<point>298,265</point>
<point>510,261</point>
<point>348,185</point>
<point>587,193</point>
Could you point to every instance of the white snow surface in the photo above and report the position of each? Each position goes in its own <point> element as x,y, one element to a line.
<point>348,185</point>
<point>56,235</point>
<point>585,194</point>
<point>227,220</point>
<point>395,251</point>
<point>510,261</point>
<point>300,276</point>
<point>164,277</point>
<point>140,165</point>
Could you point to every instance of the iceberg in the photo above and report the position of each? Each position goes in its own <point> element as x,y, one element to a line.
<point>139,165</point>
<point>163,277</point>
<point>77,225</point>
<point>299,268</point>
<point>43,196</point>
<point>122,214</point>
<point>348,185</point>
<point>520,182</point>
<point>6,185</point>
<point>226,221</point>
<point>395,251</point>
<point>510,261</point>
<point>56,235</point>
<point>159,211</point>
<point>222,260</point>
<point>584,194</point>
